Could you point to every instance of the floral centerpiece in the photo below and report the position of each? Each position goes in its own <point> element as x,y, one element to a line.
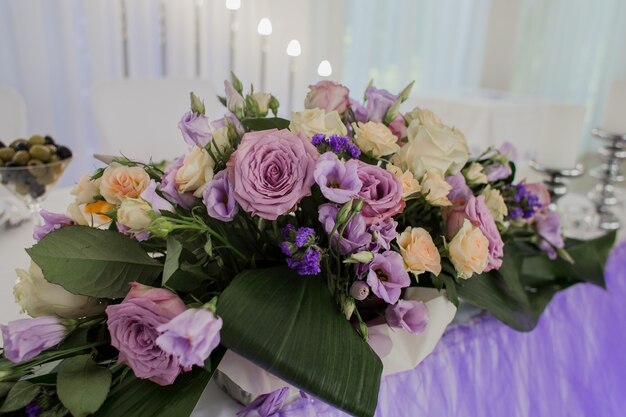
<point>285,241</point>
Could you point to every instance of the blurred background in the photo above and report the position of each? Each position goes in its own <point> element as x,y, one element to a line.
<point>483,64</point>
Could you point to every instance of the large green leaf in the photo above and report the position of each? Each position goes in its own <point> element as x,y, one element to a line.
<point>141,398</point>
<point>98,263</point>
<point>82,385</point>
<point>290,326</point>
<point>265,123</point>
<point>20,395</point>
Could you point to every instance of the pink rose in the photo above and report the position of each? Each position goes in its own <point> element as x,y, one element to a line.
<point>381,192</point>
<point>328,95</point>
<point>271,171</point>
<point>477,212</point>
<point>133,328</point>
<point>398,127</point>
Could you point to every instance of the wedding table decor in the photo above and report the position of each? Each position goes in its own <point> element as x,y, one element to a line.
<point>306,259</point>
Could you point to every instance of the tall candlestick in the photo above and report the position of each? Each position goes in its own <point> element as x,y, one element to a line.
<point>232,6</point>
<point>615,110</point>
<point>265,30</point>
<point>294,51</point>
<point>560,134</point>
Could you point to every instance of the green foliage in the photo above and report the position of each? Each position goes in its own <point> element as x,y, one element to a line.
<point>290,326</point>
<point>82,385</point>
<point>98,263</point>
<point>20,395</point>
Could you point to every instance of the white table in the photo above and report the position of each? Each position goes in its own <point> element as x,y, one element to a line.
<point>213,402</point>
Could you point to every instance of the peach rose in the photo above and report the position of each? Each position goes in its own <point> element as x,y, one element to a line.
<point>410,185</point>
<point>419,251</point>
<point>469,251</point>
<point>86,190</point>
<point>196,171</point>
<point>375,139</point>
<point>119,182</point>
<point>436,189</point>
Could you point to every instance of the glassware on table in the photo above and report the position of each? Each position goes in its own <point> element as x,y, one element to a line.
<point>31,183</point>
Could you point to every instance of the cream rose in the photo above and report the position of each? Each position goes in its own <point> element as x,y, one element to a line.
<point>38,297</point>
<point>375,139</point>
<point>469,251</point>
<point>410,185</point>
<point>431,146</point>
<point>474,174</point>
<point>86,190</point>
<point>436,189</point>
<point>196,171</point>
<point>425,116</point>
<point>495,203</point>
<point>134,213</point>
<point>312,121</point>
<point>419,251</point>
<point>119,182</point>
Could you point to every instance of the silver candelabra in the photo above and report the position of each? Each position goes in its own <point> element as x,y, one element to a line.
<point>556,181</point>
<point>613,150</point>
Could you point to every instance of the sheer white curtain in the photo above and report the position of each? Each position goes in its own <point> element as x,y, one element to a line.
<point>571,50</point>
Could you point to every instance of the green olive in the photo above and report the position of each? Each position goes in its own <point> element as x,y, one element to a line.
<point>54,158</point>
<point>53,149</point>
<point>36,168</point>
<point>36,140</point>
<point>21,158</point>
<point>49,178</point>
<point>40,152</point>
<point>21,188</point>
<point>6,154</point>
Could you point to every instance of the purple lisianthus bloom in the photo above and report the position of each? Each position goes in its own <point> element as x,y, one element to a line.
<point>548,226</point>
<point>355,235</point>
<point>265,405</point>
<point>383,234</point>
<point>169,188</point>
<point>509,150</point>
<point>195,129</point>
<point>219,199</point>
<point>51,222</point>
<point>338,181</point>
<point>409,315</point>
<point>220,123</point>
<point>133,327</point>
<point>381,192</point>
<point>359,290</point>
<point>378,103</point>
<point>126,231</point>
<point>26,338</point>
<point>191,336</point>
<point>480,216</point>
<point>307,263</point>
<point>460,192</point>
<point>387,276</point>
<point>157,202</point>
<point>498,172</point>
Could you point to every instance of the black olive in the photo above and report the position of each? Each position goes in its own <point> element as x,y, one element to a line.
<point>64,152</point>
<point>22,146</point>
<point>48,140</point>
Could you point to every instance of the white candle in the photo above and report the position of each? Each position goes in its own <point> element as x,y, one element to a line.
<point>324,69</point>
<point>615,110</point>
<point>265,30</point>
<point>233,6</point>
<point>294,51</point>
<point>560,133</point>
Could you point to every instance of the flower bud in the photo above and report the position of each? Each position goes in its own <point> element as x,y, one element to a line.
<point>234,100</point>
<point>347,306</point>
<point>161,227</point>
<point>197,106</point>
<point>359,290</point>
<point>363,257</point>
<point>344,213</point>
<point>358,205</point>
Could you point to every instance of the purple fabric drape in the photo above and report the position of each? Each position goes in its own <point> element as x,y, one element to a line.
<point>572,365</point>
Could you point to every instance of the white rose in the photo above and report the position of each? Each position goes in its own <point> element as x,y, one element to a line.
<point>410,185</point>
<point>375,139</point>
<point>425,116</point>
<point>196,171</point>
<point>495,203</point>
<point>432,146</point>
<point>86,190</point>
<point>38,297</point>
<point>436,189</point>
<point>312,121</point>
<point>262,100</point>
<point>135,214</point>
<point>469,251</point>
<point>474,174</point>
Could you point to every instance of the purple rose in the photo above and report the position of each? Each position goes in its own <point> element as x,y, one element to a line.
<point>133,327</point>
<point>355,235</point>
<point>169,188</point>
<point>219,199</point>
<point>460,192</point>
<point>271,171</point>
<point>51,222</point>
<point>157,202</point>
<point>383,234</point>
<point>195,129</point>
<point>328,95</point>
<point>480,216</point>
<point>338,181</point>
<point>498,172</point>
<point>26,338</point>
<point>265,405</point>
<point>409,315</point>
<point>191,336</point>
<point>378,103</point>
<point>387,276</point>
<point>381,192</point>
